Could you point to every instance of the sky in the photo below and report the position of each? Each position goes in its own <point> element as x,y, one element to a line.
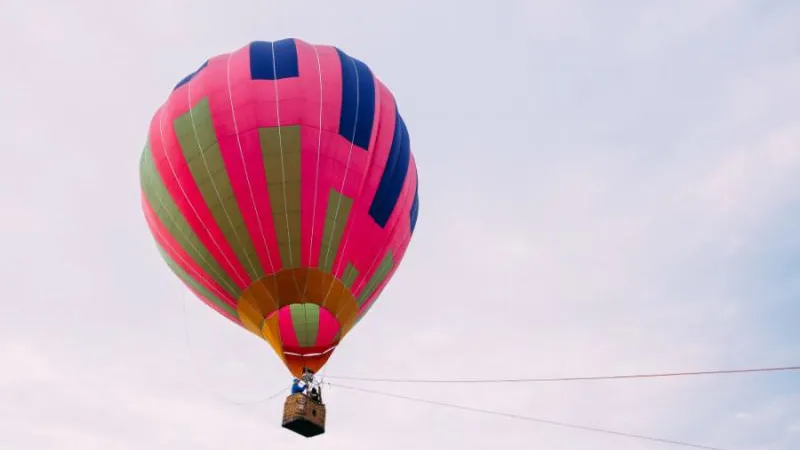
<point>606,187</point>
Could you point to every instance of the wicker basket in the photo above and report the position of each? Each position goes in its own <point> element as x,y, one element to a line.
<point>303,415</point>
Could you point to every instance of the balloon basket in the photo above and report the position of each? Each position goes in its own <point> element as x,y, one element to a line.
<point>303,415</point>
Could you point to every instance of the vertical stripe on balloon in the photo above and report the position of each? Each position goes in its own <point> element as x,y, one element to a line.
<point>273,61</point>
<point>414,212</point>
<point>349,275</point>
<point>394,174</point>
<point>328,329</point>
<point>174,250</point>
<point>194,284</point>
<point>168,214</point>
<point>305,317</point>
<point>377,278</point>
<point>280,147</point>
<point>198,140</point>
<point>358,101</point>
<point>288,335</point>
<point>336,216</point>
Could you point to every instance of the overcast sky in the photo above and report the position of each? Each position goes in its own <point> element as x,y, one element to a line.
<point>606,187</point>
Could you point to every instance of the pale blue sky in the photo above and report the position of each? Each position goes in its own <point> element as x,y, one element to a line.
<point>606,187</point>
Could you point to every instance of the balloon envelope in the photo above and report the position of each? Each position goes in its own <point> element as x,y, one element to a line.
<point>279,185</point>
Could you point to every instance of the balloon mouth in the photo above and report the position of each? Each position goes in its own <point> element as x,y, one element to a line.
<point>303,313</point>
<point>306,330</point>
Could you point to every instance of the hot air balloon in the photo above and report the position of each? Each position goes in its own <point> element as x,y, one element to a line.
<point>279,185</point>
